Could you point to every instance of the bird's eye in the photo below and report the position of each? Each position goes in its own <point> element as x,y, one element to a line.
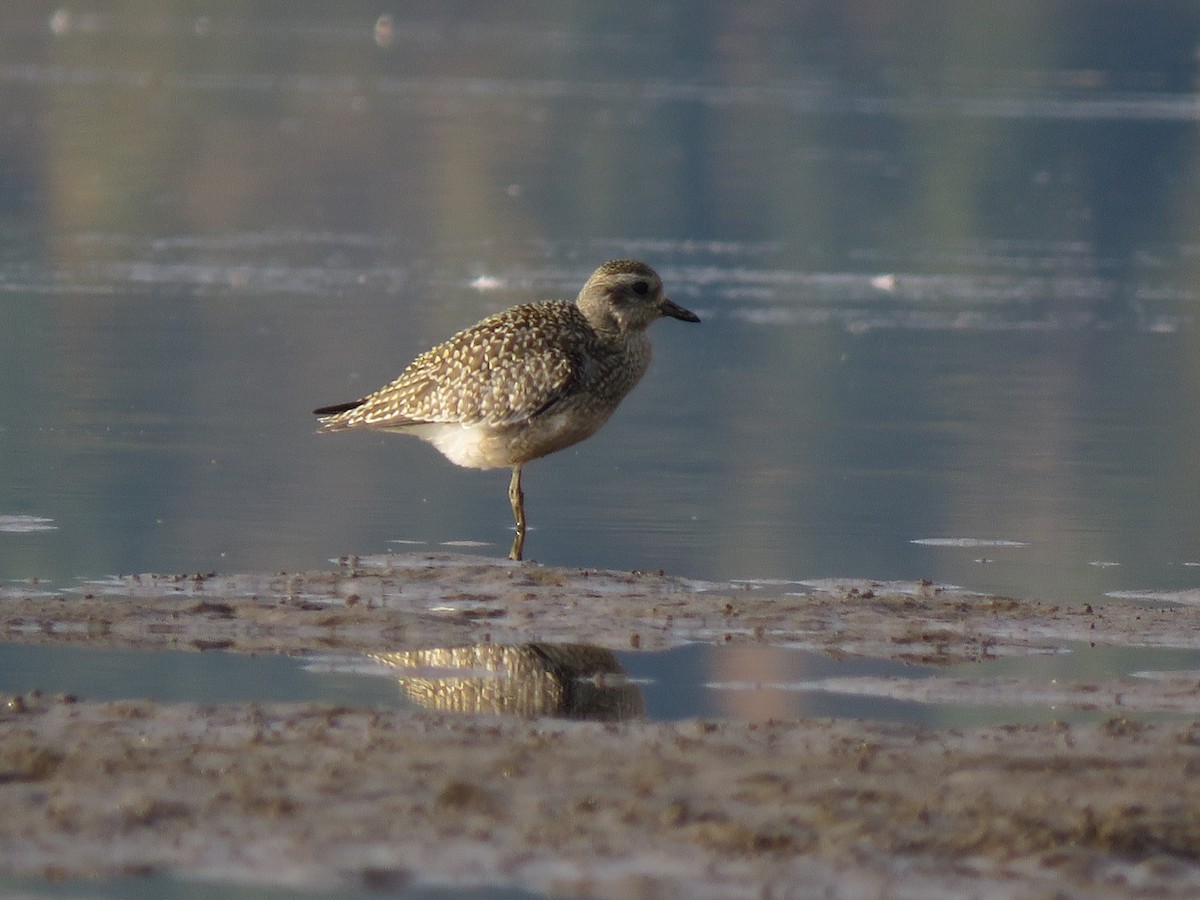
<point>641,288</point>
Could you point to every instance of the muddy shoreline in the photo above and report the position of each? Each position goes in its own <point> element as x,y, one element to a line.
<point>312,795</point>
<point>382,603</point>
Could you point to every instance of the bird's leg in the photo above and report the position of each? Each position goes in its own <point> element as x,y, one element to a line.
<point>517,499</point>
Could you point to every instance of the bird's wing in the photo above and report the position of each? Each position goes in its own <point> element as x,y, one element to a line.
<point>506,369</point>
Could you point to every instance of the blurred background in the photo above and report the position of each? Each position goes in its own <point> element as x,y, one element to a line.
<point>946,255</point>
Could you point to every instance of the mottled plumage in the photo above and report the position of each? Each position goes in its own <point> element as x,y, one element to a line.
<point>524,382</point>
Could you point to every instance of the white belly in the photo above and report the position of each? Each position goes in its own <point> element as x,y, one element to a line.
<point>484,447</point>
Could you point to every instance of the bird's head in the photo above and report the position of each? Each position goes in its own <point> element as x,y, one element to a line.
<point>625,296</point>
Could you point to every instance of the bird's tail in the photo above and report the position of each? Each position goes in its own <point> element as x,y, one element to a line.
<point>324,411</point>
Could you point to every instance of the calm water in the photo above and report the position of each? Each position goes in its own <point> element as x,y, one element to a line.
<point>750,683</point>
<point>947,267</point>
<point>947,258</point>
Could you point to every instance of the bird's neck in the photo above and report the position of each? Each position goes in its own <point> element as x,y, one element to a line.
<point>603,321</point>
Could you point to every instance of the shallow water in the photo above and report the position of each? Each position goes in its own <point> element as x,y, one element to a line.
<point>749,683</point>
<point>943,298</point>
<point>947,271</point>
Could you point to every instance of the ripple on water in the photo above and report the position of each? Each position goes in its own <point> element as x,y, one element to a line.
<point>26,524</point>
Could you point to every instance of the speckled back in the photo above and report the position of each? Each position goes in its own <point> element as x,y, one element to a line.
<point>506,369</point>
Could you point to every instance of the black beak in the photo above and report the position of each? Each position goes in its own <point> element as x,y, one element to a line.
<point>675,311</point>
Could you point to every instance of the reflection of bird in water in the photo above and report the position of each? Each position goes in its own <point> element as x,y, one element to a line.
<point>524,382</point>
<point>572,681</point>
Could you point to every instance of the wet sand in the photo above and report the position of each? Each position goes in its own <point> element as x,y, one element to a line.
<point>321,796</point>
<point>381,603</point>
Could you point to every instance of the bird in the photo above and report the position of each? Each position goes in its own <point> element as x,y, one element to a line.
<point>525,382</point>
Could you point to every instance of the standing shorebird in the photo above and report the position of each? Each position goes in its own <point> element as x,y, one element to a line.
<point>525,382</point>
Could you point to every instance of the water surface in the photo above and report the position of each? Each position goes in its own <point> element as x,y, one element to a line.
<point>946,262</point>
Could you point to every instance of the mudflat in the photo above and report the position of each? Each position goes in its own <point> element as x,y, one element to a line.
<point>315,795</point>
